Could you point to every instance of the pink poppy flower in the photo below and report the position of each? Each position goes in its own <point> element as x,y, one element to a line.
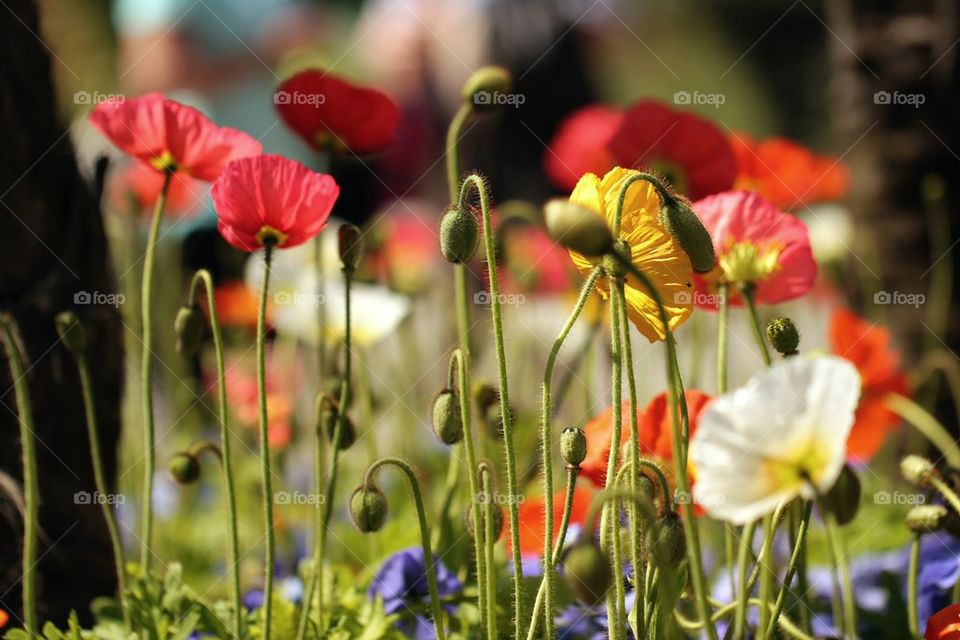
<point>756,245</point>
<point>330,113</point>
<point>580,145</point>
<point>272,199</point>
<point>169,135</point>
<point>686,149</point>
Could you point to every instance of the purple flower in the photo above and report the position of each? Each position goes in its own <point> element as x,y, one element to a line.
<point>401,583</point>
<point>939,570</point>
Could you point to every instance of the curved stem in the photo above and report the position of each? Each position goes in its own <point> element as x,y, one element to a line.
<point>428,560</point>
<point>233,545</point>
<point>453,156</point>
<point>740,618</point>
<point>489,584</point>
<point>912,573</point>
<point>31,491</point>
<point>926,424</point>
<point>100,478</point>
<point>749,295</point>
<point>940,359</point>
<point>146,373</point>
<point>546,443</point>
<point>622,197</point>
<point>474,182</point>
<point>265,473</point>
<point>795,557</point>
<point>947,492</point>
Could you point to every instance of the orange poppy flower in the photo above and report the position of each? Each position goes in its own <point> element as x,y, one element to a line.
<point>4,618</point>
<point>236,305</point>
<point>786,173</point>
<point>944,624</point>
<point>868,348</point>
<point>532,518</point>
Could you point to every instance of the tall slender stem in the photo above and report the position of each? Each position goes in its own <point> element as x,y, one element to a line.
<point>31,490</point>
<point>146,373</point>
<point>838,558</point>
<point>428,561</point>
<point>740,616</point>
<point>722,338</point>
<point>100,478</point>
<point>749,295</point>
<point>546,443</point>
<point>265,473</point>
<point>795,557</point>
<point>765,564</point>
<point>489,584</point>
<point>233,544</point>
<point>912,574</point>
<point>453,155</point>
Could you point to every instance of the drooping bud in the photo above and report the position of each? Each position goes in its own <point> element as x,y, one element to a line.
<point>666,539</point>
<point>189,328</point>
<point>335,387</point>
<point>496,511</point>
<point>482,88</point>
<point>71,331</point>
<point>328,425</point>
<point>459,234</point>
<point>487,399</point>
<point>917,470</point>
<point>184,467</point>
<point>783,335</point>
<point>368,508</point>
<point>447,423</point>
<point>925,518</point>
<point>577,228</point>
<point>587,571</point>
<point>573,446</point>
<point>843,499</point>
<point>685,226</point>
<point>349,246</point>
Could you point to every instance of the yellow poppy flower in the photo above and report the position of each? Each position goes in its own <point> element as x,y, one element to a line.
<point>653,250</point>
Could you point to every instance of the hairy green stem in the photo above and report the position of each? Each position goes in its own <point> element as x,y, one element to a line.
<point>265,473</point>
<point>740,617</point>
<point>488,586</point>
<point>792,566</point>
<point>912,573</point>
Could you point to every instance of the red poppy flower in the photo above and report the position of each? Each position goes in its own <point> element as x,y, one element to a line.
<point>944,624</point>
<point>169,135</point>
<point>532,516</point>
<point>580,145</point>
<point>684,148</point>
<point>756,244</point>
<point>140,185</point>
<point>4,618</point>
<point>787,174</point>
<point>330,113</point>
<point>868,347</point>
<point>534,262</point>
<point>271,198</point>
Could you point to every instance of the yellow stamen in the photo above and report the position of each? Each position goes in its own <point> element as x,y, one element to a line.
<point>269,235</point>
<point>804,464</point>
<point>164,162</point>
<point>745,262</point>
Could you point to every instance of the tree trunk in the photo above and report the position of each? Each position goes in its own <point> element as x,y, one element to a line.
<point>53,256</point>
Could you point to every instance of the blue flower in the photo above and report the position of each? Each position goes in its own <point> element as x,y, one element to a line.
<point>401,583</point>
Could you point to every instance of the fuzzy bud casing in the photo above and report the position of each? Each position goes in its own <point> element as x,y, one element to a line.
<point>587,570</point>
<point>685,226</point>
<point>573,446</point>
<point>349,246</point>
<point>459,234</point>
<point>447,423</point>
<point>368,508</point>
<point>578,228</point>
<point>184,468</point>
<point>917,470</point>
<point>783,335</point>
<point>189,328</point>
<point>71,331</point>
<point>483,85</point>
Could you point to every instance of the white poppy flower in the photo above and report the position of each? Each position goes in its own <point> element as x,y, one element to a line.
<point>768,441</point>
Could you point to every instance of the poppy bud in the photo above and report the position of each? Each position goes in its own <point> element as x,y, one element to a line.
<point>684,225</point>
<point>184,467</point>
<point>843,500</point>
<point>328,423</point>
<point>188,327</point>
<point>459,234</point>
<point>925,518</point>
<point>447,424</point>
<point>783,335</point>
<point>368,508</point>
<point>485,395</point>
<point>577,228</point>
<point>587,570</point>
<point>496,511</point>
<point>71,331</point>
<point>483,85</point>
<point>573,446</point>
<point>350,246</point>
<point>667,540</point>
<point>917,470</point>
